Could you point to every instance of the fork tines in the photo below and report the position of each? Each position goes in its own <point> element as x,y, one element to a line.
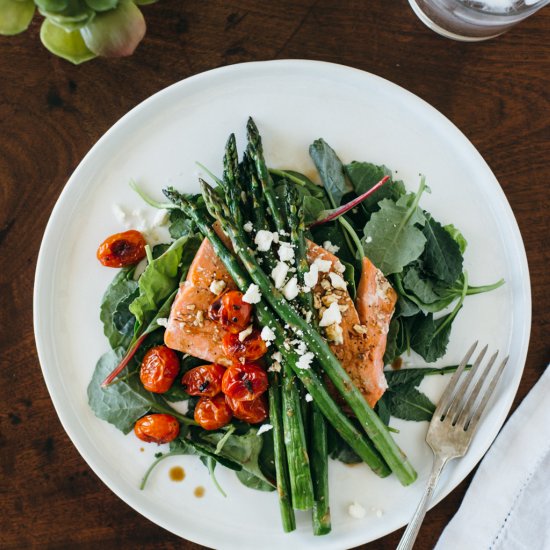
<point>461,404</point>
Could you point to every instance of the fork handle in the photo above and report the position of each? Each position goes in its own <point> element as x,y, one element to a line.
<point>410,534</point>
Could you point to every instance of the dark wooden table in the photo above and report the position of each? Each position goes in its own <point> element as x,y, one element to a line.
<point>51,113</point>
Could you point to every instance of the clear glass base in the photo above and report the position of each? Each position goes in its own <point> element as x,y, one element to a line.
<point>445,32</point>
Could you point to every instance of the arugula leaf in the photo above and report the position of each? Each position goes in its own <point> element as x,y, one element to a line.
<point>118,322</point>
<point>364,175</point>
<point>442,256</point>
<point>125,401</point>
<point>331,171</point>
<point>161,278</point>
<point>392,239</point>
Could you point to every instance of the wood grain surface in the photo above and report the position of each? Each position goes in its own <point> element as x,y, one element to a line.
<point>51,113</point>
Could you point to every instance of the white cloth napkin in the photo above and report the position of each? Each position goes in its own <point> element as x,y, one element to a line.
<point>507,506</point>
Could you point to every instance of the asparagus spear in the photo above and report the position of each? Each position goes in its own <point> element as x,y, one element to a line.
<point>371,423</point>
<point>233,186</point>
<point>256,153</point>
<point>312,382</point>
<point>318,432</point>
<point>295,439</point>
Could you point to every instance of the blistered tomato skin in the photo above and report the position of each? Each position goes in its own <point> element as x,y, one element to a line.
<point>250,349</point>
<point>231,312</point>
<point>244,382</point>
<point>122,249</point>
<point>157,428</point>
<point>253,412</point>
<point>159,369</point>
<point>205,380</point>
<point>212,413</point>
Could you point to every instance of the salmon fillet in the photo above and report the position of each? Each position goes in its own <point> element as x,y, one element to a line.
<point>359,342</point>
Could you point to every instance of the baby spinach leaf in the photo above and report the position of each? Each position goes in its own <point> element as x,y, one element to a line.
<point>180,224</point>
<point>364,175</point>
<point>253,482</point>
<point>410,404</point>
<point>118,322</point>
<point>313,207</point>
<point>457,237</point>
<point>161,278</point>
<point>331,171</point>
<point>392,239</point>
<point>302,181</point>
<point>125,401</point>
<point>442,256</point>
<point>118,403</point>
<point>243,449</point>
<point>421,287</point>
<point>338,449</point>
<point>430,337</point>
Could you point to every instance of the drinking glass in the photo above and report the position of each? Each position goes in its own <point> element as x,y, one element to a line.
<point>473,20</point>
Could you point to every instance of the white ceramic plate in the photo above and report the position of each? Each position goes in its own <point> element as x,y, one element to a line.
<point>363,117</point>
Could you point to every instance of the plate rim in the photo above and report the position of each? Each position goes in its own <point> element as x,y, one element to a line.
<point>43,261</point>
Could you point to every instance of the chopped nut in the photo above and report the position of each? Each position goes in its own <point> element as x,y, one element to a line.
<point>199,319</point>
<point>335,333</point>
<point>325,285</point>
<point>191,307</point>
<point>360,329</point>
<point>328,299</point>
<point>316,301</point>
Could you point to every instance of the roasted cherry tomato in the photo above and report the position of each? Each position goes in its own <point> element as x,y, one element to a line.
<point>230,311</point>
<point>249,349</point>
<point>159,369</point>
<point>212,413</point>
<point>253,412</point>
<point>157,428</point>
<point>204,380</point>
<point>244,382</point>
<point>122,249</point>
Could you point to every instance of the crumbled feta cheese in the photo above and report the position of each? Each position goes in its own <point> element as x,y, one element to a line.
<point>304,362</point>
<point>275,367</point>
<point>308,316</point>
<point>299,346</point>
<point>279,273</point>
<point>356,511</point>
<point>378,512</point>
<point>248,227</point>
<point>276,356</point>
<point>162,322</point>
<point>329,247</point>
<point>308,398</point>
<point>263,240</point>
<point>339,267</point>
<point>245,333</point>
<point>267,335</point>
<point>368,239</point>
<point>335,334</point>
<point>264,428</point>
<point>291,289</point>
<point>252,294</point>
<point>217,287</point>
<point>337,281</point>
<point>312,276</point>
<point>331,315</point>
<point>286,252</point>
<point>322,265</point>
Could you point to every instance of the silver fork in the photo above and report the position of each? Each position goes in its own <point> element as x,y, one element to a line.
<point>453,426</point>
